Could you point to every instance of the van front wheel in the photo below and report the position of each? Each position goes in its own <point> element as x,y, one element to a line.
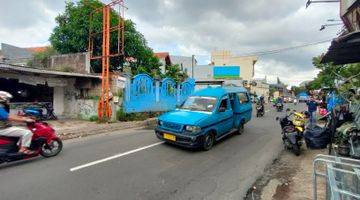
<point>208,143</point>
<point>240,129</point>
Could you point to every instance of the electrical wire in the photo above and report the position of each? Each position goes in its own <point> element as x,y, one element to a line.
<point>274,51</point>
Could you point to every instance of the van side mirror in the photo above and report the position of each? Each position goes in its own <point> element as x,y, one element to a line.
<point>277,118</point>
<point>222,109</point>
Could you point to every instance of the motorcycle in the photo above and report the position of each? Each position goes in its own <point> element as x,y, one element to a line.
<point>44,142</point>
<point>279,107</point>
<point>292,131</point>
<point>259,110</point>
<point>37,112</point>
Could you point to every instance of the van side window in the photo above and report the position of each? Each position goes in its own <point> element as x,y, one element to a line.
<point>224,104</point>
<point>243,97</point>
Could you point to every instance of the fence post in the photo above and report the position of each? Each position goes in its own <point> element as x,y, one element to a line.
<point>157,91</point>
<point>128,89</point>
<point>177,93</point>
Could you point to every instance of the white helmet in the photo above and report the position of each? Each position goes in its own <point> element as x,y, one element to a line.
<point>5,96</point>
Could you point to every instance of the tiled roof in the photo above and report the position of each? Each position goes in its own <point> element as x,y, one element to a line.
<point>162,55</point>
<point>37,49</point>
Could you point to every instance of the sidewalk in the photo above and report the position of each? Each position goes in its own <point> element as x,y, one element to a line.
<point>289,177</point>
<point>68,129</point>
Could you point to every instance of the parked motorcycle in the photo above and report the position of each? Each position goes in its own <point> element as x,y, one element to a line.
<point>44,142</point>
<point>37,112</point>
<point>292,126</point>
<point>259,110</point>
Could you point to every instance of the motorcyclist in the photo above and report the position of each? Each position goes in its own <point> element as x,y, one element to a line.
<point>12,131</point>
<point>261,102</point>
<point>279,100</point>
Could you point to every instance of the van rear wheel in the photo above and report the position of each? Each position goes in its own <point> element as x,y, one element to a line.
<point>209,141</point>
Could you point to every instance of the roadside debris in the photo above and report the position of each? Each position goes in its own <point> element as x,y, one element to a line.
<point>288,177</point>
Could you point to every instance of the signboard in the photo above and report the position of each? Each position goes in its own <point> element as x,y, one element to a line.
<point>226,72</point>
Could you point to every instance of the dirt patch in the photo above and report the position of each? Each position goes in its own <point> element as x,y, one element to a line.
<point>68,129</point>
<point>288,178</point>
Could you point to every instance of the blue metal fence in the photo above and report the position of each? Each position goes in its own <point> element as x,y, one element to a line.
<point>144,94</point>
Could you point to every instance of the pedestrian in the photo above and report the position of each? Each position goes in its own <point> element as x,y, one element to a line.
<point>312,107</point>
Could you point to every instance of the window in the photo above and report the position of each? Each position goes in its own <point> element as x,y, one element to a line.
<point>197,103</point>
<point>224,104</point>
<point>243,98</point>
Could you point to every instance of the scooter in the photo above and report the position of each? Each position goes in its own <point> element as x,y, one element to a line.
<point>44,142</point>
<point>259,110</point>
<point>292,133</point>
<point>37,112</point>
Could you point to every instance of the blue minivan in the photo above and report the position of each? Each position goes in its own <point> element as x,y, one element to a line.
<point>205,117</point>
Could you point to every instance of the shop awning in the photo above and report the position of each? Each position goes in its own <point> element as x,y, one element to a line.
<point>344,49</point>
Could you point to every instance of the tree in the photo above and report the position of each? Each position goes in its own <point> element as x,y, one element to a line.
<point>298,90</point>
<point>71,35</point>
<point>174,72</point>
<point>340,78</point>
<point>330,75</point>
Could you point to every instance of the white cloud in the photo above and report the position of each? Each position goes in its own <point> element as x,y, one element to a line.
<point>197,27</point>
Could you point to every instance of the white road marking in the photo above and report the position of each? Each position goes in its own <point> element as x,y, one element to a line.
<point>267,111</point>
<point>113,157</point>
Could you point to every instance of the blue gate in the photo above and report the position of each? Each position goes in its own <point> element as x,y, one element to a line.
<point>144,94</point>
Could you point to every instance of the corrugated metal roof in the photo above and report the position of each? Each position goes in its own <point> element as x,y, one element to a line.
<point>17,68</point>
<point>12,52</point>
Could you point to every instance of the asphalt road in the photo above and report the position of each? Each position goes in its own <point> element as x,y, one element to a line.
<point>134,164</point>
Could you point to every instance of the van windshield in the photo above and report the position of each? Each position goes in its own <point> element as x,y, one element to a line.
<point>197,103</point>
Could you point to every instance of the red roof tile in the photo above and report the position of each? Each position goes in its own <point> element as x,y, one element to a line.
<point>37,49</point>
<point>162,55</point>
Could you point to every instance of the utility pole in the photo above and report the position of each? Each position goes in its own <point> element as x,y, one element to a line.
<point>104,106</point>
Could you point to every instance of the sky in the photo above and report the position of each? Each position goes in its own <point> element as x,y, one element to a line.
<point>186,27</point>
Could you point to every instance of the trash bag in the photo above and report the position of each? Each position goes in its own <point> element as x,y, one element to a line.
<point>317,137</point>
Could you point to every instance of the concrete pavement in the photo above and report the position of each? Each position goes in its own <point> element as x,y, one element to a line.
<point>131,169</point>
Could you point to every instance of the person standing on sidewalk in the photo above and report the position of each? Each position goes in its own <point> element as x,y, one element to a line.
<point>312,107</point>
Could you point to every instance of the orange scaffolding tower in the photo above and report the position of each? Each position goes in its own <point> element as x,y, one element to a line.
<point>104,107</point>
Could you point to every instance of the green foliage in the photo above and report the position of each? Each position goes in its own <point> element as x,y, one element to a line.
<point>72,32</point>
<point>122,116</point>
<point>93,118</point>
<point>347,76</point>
<point>175,73</point>
<point>298,90</point>
<point>272,90</point>
<point>42,59</point>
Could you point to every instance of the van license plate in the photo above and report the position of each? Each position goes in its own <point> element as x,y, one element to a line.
<point>169,137</point>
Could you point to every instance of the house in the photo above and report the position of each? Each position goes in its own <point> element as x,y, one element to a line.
<point>165,60</point>
<point>226,68</point>
<point>246,64</point>
<point>345,48</point>
<point>65,81</point>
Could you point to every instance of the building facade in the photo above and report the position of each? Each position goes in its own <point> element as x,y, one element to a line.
<point>246,64</point>
<point>261,88</point>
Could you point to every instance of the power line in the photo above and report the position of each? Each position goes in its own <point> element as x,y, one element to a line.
<point>274,51</point>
